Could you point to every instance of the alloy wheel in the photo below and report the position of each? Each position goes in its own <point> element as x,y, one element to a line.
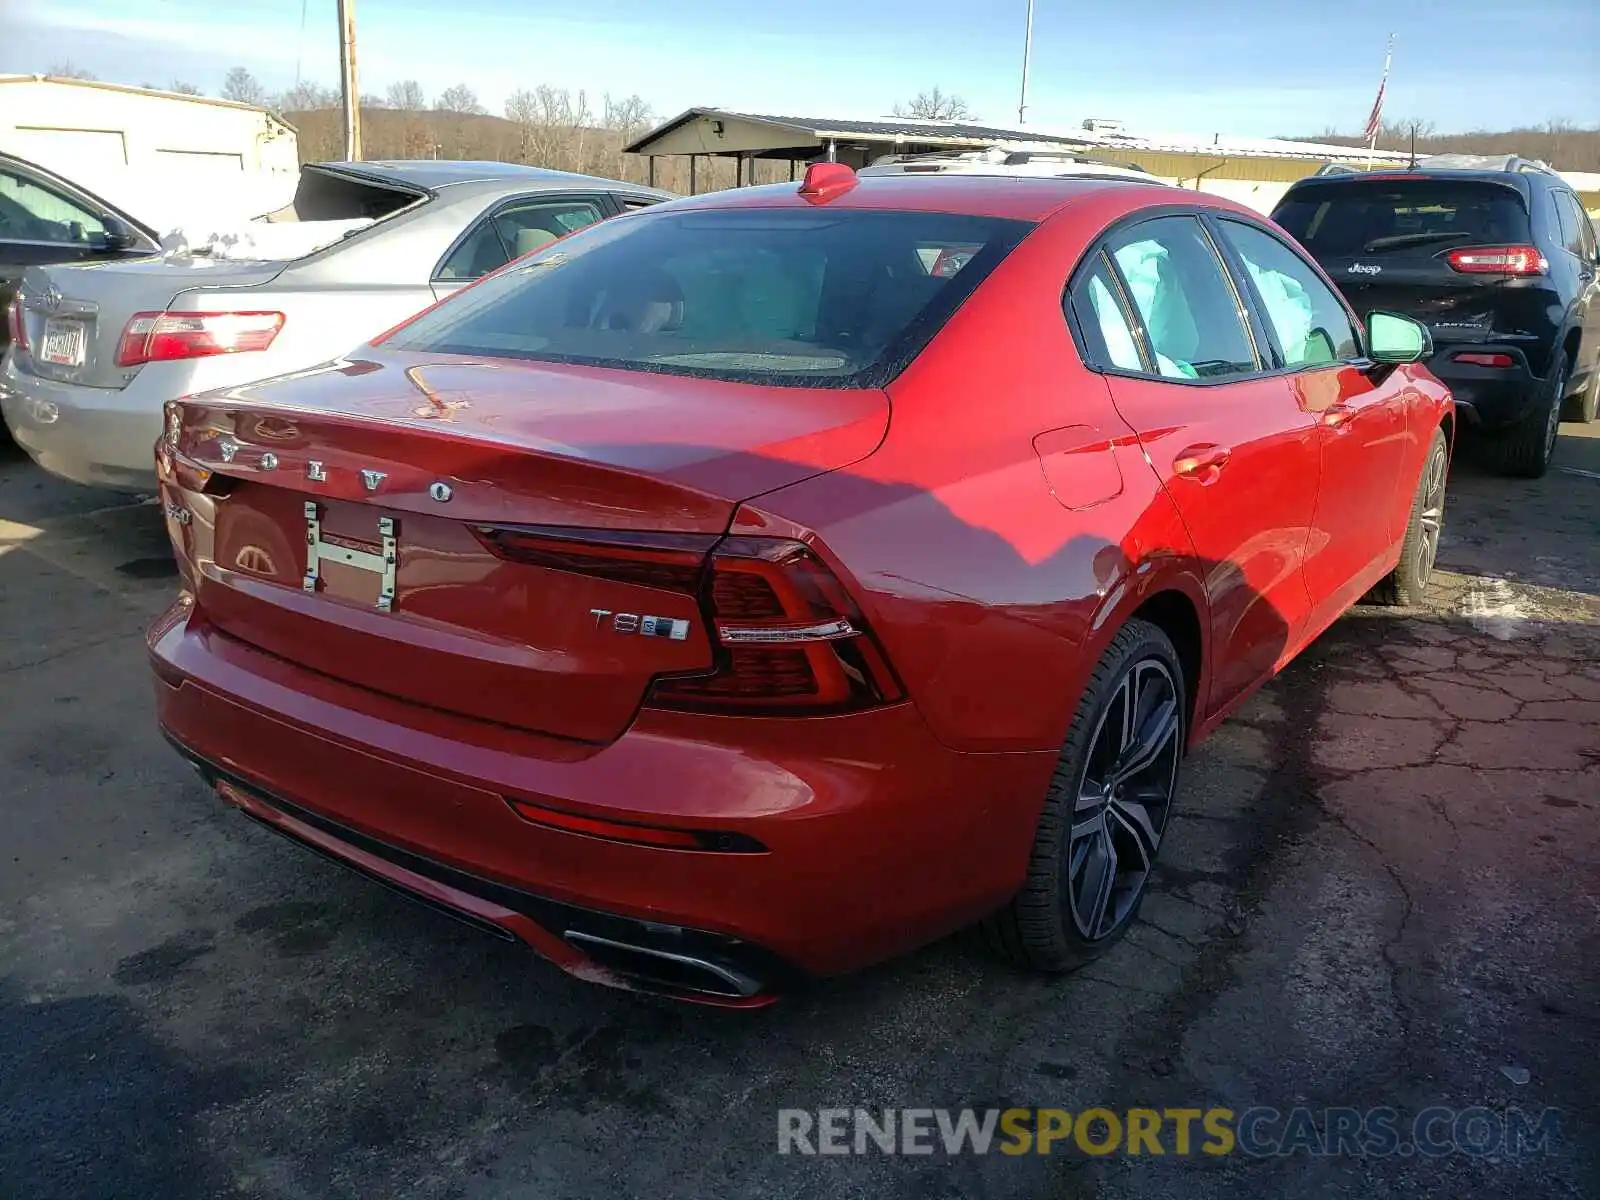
<point>1123,799</point>
<point>1431,516</point>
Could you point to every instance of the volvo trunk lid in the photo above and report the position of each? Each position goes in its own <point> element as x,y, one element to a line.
<point>436,536</point>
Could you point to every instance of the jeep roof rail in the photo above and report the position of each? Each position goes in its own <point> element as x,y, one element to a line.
<point>1483,162</point>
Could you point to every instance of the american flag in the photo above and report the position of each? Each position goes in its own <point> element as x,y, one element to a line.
<point>1375,120</point>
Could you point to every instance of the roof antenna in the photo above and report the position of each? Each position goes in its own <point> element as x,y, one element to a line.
<point>1413,165</point>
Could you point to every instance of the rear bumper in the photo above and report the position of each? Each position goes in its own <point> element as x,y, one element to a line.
<point>877,838</point>
<point>101,437</point>
<point>1489,398</point>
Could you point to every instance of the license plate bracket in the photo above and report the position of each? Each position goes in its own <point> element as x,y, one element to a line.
<point>63,342</point>
<point>382,563</point>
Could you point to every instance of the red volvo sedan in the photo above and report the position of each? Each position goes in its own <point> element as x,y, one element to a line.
<point>763,584</point>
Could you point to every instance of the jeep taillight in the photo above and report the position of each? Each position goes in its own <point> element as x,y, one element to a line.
<point>788,638</point>
<point>1498,260</point>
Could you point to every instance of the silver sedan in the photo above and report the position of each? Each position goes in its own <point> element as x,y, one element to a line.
<point>103,347</point>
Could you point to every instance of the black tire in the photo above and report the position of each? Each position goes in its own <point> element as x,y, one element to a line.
<point>1524,450</point>
<point>1420,550</point>
<point>1095,814</point>
<point>1585,406</point>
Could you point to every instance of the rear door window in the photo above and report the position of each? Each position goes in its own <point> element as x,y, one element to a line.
<point>1402,217</point>
<point>1187,306</point>
<point>514,230</point>
<point>788,296</point>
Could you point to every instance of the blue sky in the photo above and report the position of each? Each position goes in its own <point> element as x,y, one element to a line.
<point>1249,67</point>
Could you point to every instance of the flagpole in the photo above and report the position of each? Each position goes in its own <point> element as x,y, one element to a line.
<point>1027,53</point>
<point>1377,107</point>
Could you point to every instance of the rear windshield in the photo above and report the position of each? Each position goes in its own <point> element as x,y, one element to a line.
<point>794,297</point>
<point>1346,219</point>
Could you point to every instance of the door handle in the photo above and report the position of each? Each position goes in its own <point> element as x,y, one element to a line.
<point>1203,462</point>
<point>1337,416</point>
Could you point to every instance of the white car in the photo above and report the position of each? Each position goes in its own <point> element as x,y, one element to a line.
<point>98,350</point>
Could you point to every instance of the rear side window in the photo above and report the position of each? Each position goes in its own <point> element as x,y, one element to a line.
<point>1108,337</point>
<point>784,296</point>
<point>1422,216</point>
<point>1577,234</point>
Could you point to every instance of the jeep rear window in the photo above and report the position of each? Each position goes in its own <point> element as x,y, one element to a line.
<point>794,297</point>
<point>1348,219</point>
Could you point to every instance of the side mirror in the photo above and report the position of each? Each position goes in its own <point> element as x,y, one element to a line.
<point>117,235</point>
<point>1392,338</point>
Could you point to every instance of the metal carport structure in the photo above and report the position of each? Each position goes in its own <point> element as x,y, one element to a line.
<point>748,137</point>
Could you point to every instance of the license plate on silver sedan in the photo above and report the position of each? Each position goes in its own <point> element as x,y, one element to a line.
<point>63,342</point>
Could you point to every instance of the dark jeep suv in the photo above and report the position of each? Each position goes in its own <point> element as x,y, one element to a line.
<point>1498,258</point>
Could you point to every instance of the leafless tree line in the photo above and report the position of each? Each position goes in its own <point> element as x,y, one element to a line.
<point>543,126</point>
<point>573,131</point>
<point>1560,143</point>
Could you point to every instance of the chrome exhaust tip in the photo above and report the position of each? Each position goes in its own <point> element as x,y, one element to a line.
<point>666,969</point>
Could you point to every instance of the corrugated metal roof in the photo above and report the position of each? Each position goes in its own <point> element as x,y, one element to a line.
<point>886,129</point>
<point>891,127</point>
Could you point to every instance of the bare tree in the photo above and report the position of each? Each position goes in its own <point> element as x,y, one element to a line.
<point>307,96</point>
<point>185,89</point>
<point>460,99</point>
<point>522,110</point>
<point>1402,128</point>
<point>627,117</point>
<point>935,105</point>
<point>244,87</point>
<point>407,96</point>
<point>67,69</point>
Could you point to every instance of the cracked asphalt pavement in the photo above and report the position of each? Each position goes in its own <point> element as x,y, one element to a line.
<point>1382,889</point>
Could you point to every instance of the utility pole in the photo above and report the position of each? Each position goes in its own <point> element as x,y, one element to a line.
<point>1027,52</point>
<point>347,80</point>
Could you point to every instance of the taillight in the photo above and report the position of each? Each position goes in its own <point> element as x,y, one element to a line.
<point>1498,260</point>
<point>14,326</point>
<point>787,637</point>
<point>166,336</point>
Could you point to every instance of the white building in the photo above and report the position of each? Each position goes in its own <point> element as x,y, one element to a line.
<point>149,150</point>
